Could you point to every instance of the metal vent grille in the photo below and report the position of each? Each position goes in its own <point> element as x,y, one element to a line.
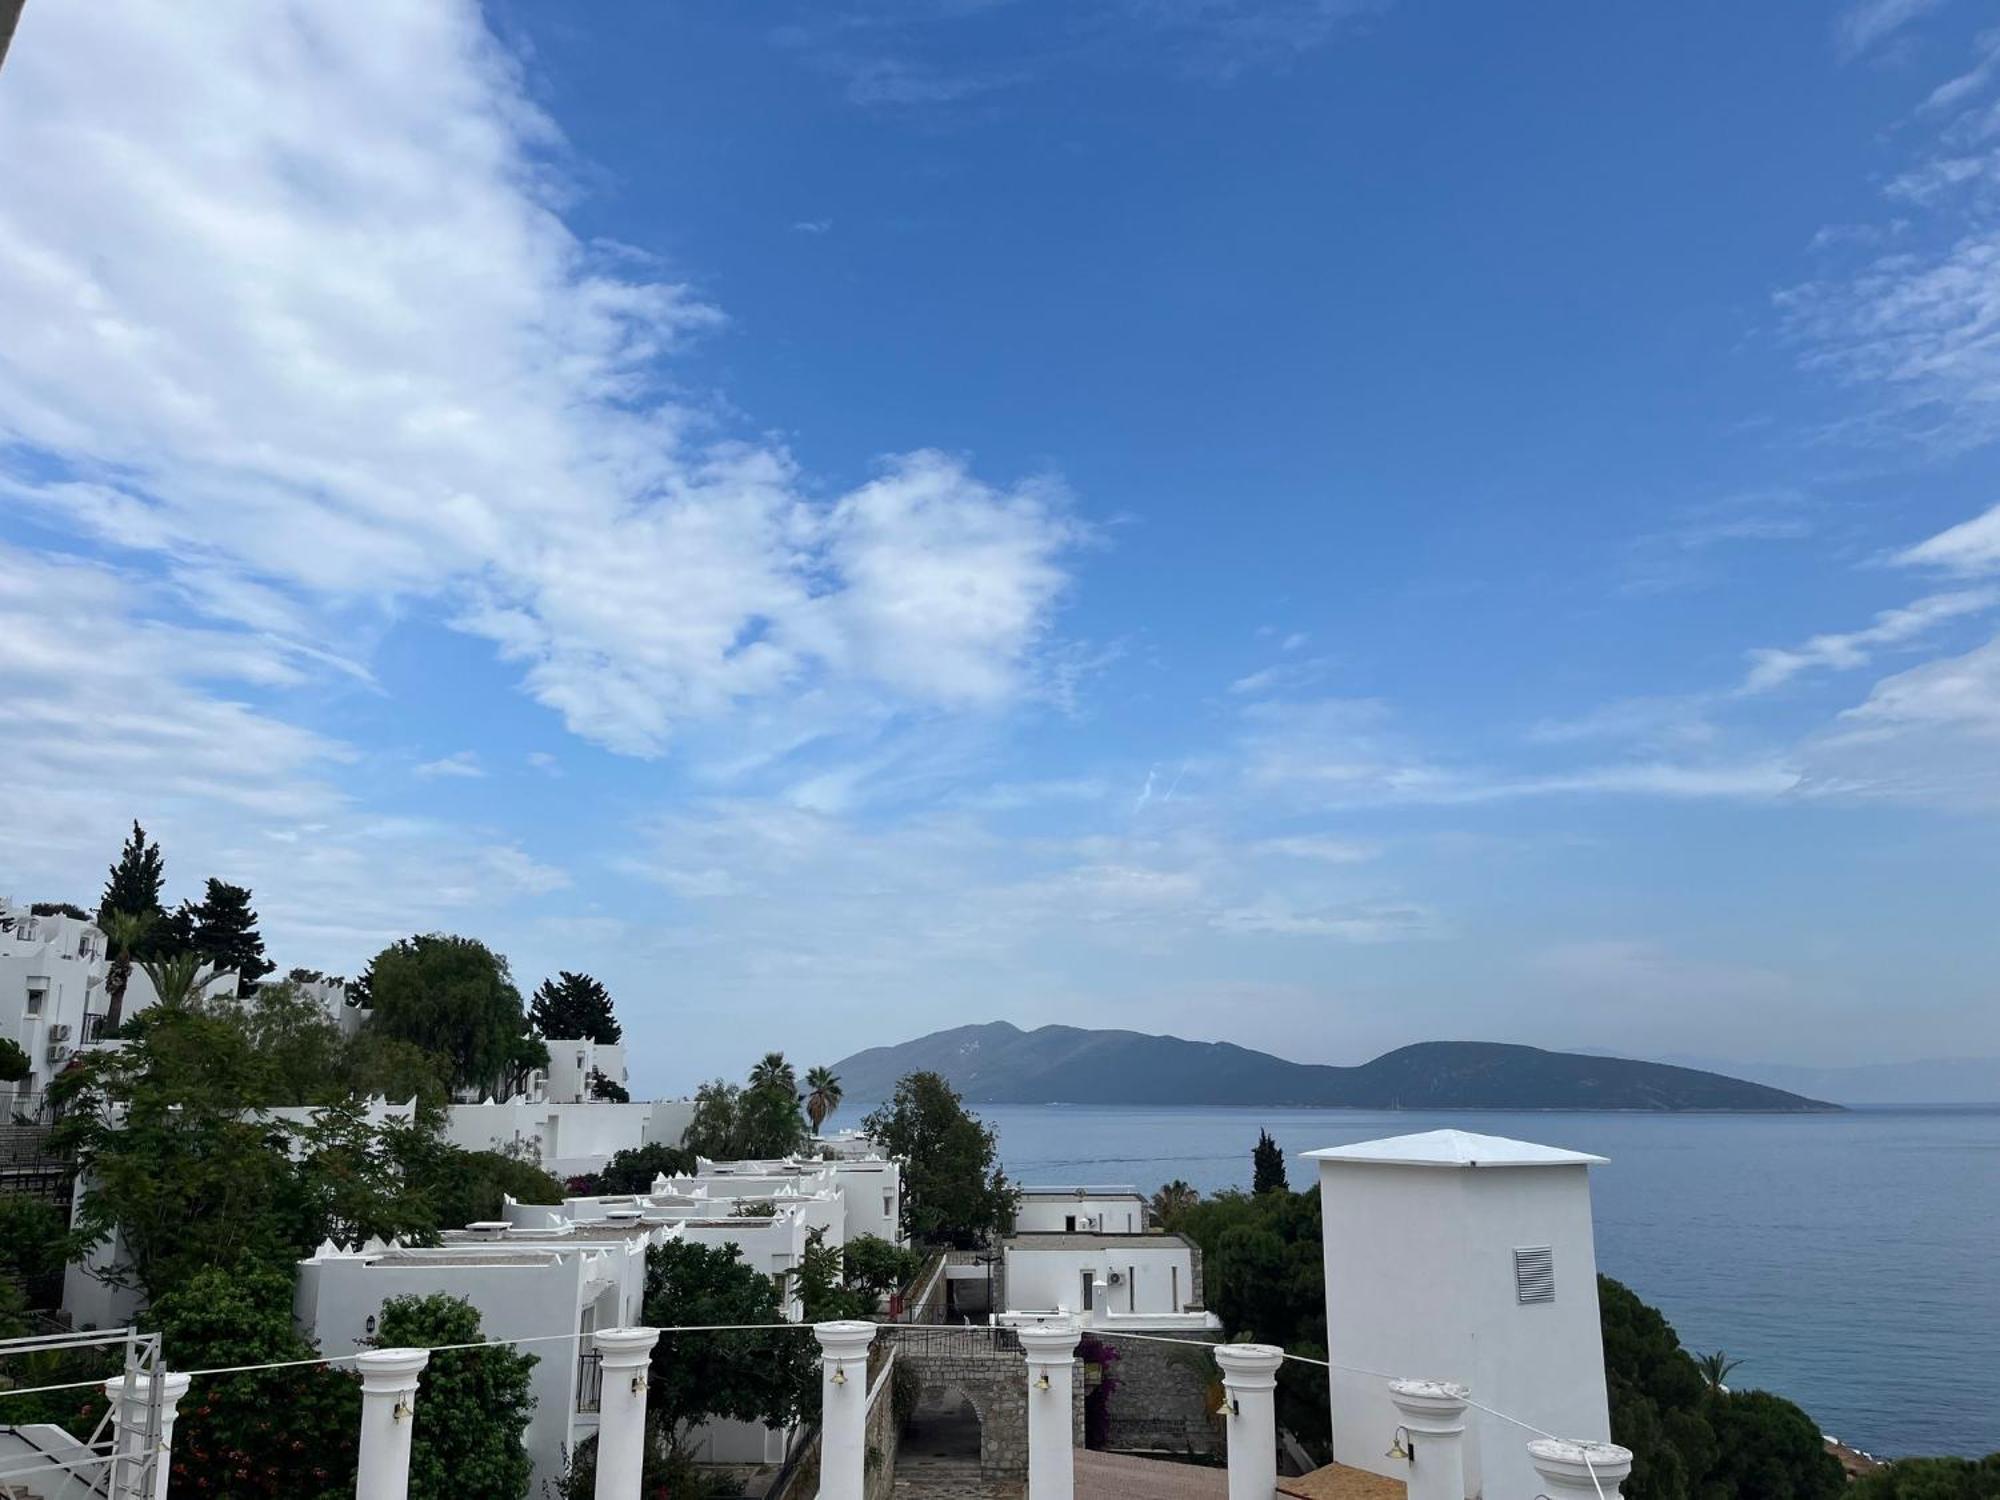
<point>1535,1274</point>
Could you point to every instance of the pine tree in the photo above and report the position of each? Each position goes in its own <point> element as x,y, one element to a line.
<point>573,1006</point>
<point>1267,1166</point>
<point>225,933</point>
<point>136,880</point>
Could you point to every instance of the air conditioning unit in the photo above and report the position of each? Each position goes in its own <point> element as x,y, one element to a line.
<point>1117,1278</point>
<point>56,1052</point>
<point>59,1032</point>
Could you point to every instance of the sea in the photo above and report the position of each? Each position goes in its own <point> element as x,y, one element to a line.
<point>1851,1261</point>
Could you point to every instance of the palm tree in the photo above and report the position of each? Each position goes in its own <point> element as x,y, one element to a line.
<point>773,1072</point>
<point>1715,1369</point>
<point>824,1096</point>
<point>124,931</point>
<point>176,978</point>
<point>1171,1201</point>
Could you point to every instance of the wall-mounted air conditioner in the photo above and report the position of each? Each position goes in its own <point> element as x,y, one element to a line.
<point>59,1032</point>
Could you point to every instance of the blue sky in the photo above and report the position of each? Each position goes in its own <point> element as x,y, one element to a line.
<point>1317,524</point>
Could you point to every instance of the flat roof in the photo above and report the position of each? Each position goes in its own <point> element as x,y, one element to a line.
<point>1454,1148</point>
<point>1072,1239</point>
<point>1110,1190</point>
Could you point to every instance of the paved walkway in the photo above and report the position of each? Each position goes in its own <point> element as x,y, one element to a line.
<point>1116,1476</point>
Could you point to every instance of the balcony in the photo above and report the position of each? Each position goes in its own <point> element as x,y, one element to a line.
<point>94,1023</point>
<point>589,1381</point>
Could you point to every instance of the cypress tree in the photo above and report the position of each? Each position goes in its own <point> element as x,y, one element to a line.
<point>1267,1166</point>
<point>572,1006</point>
<point>225,933</point>
<point>136,880</point>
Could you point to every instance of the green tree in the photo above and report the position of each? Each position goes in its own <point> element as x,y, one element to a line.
<point>571,1006</point>
<point>874,1268</point>
<point>761,1120</point>
<point>474,1406</point>
<point>712,1130</point>
<point>225,933</point>
<point>773,1072</point>
<point>823,1095</point>
<point>136,880</point>
<point>1716,1368</point>
<point>1171,1203</point>
<point>954,1192</point>
<point>1267,1166</point>
<point>451,996</point>
<point>176,978</point>
<point>608,1089</point>
<point>1931,1479</point>
<point>282,1434</point>
<point>769,1376</point>
<point>14,1061</point>
<point>633,1169</point>
<point>818,1281</point>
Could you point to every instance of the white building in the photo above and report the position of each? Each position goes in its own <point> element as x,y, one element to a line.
<point>1464,1258</point>
<point>871,1186</point>
<point>1073,1210</point>
<point>1138,1282</point>
<point>569,1139</point>
<point>53,995</point>
<point>535,1288</point>
<point>573,1064</point>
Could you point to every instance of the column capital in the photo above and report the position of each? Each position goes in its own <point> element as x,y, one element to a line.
<point>1582,1468</point>
<point>1050,1343</point>
<point>625,1348</point>
<point>1435,1406</point>
<point>844,1338</point>
<point>391,1369</point>
<point>172,1388</point>
<point>1249,1367</point>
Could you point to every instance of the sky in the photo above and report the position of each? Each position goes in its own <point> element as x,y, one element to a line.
<point>1312,523</point>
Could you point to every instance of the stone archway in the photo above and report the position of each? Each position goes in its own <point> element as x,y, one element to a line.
<point>978,1368</point>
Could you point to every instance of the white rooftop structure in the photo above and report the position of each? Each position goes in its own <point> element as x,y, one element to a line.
<point>1455,1148</point>
<point>1442,1269</point>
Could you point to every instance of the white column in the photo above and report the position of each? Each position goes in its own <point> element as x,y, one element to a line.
<point>1580,1471</point>
<point>843,1394</point>
<point>1051,1349</point>
<point>388,1415</point>
<point>128,1418</point>
<point>1433,1413</point>
<point>1250,1417</point>
<point>621,1422</point>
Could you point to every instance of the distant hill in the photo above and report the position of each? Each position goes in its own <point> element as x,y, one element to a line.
<point>999,1063</point>
<point>1938,1080</point>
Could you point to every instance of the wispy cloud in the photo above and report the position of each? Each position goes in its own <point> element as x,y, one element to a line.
<point>1969,547</point>
<point>462,763</point>
<point>1771,667</point>
<point>811,226</point>
<point>1867,23</point>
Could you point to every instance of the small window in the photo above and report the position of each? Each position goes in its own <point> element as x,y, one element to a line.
<point>1535,1274</point>
<point>1131,1289</point>
<point>35,1001</point>
<point>1087,1291</point>
<point>1177,1288</point>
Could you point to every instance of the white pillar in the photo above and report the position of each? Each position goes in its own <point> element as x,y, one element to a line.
<point>128,1418</point>
<point>621,1422</point>
<point>1580,1471</point>
<point>843,1394</point>
<point>388,1415</point>
<point>1051,1350</point>
<point>1250,1417</point>
<point>1433,1413</point>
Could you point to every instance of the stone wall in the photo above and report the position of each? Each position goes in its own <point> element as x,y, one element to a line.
<point>997,1387</point>
<point>1166,1397</point>
<point>878,1435</point>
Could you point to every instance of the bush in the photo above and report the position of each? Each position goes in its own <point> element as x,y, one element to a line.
<point>1931,1479</point>
<point>473,1407</point>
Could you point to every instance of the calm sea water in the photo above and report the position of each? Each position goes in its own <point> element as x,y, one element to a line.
<point>1851,1261</point>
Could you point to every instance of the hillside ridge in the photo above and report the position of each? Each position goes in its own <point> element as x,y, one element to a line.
<point>998,1063</point>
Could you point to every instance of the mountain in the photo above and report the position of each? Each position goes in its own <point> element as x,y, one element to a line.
<point>1936,1080</point>
<point>999,1063</point>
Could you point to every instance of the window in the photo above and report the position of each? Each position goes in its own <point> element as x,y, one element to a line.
<point>1088,1291</point>
<point>1177,1289</point>
<point>35,1000</point>
<point>1069,1223</point>
<point>1131,1289</point>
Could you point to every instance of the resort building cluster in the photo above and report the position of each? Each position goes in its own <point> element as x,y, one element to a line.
<point>1460,1274</point>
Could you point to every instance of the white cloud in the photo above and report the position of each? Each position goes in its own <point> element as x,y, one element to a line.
<point>1771,666</point>
<point>1319,848</point>
<point>1969,547</point>
<point>325,344</point>
<point>1866,23</point>
<point>461,763</point>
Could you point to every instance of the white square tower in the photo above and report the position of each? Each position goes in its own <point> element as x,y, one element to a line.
<point>1469,1258</point>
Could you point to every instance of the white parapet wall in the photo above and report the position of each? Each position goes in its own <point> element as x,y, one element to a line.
<point>570,1139</point>
<point>1463,1258</point>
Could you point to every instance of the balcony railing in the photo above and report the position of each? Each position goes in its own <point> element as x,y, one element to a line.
<point>590,1380</point>
<point>94,1023</point>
